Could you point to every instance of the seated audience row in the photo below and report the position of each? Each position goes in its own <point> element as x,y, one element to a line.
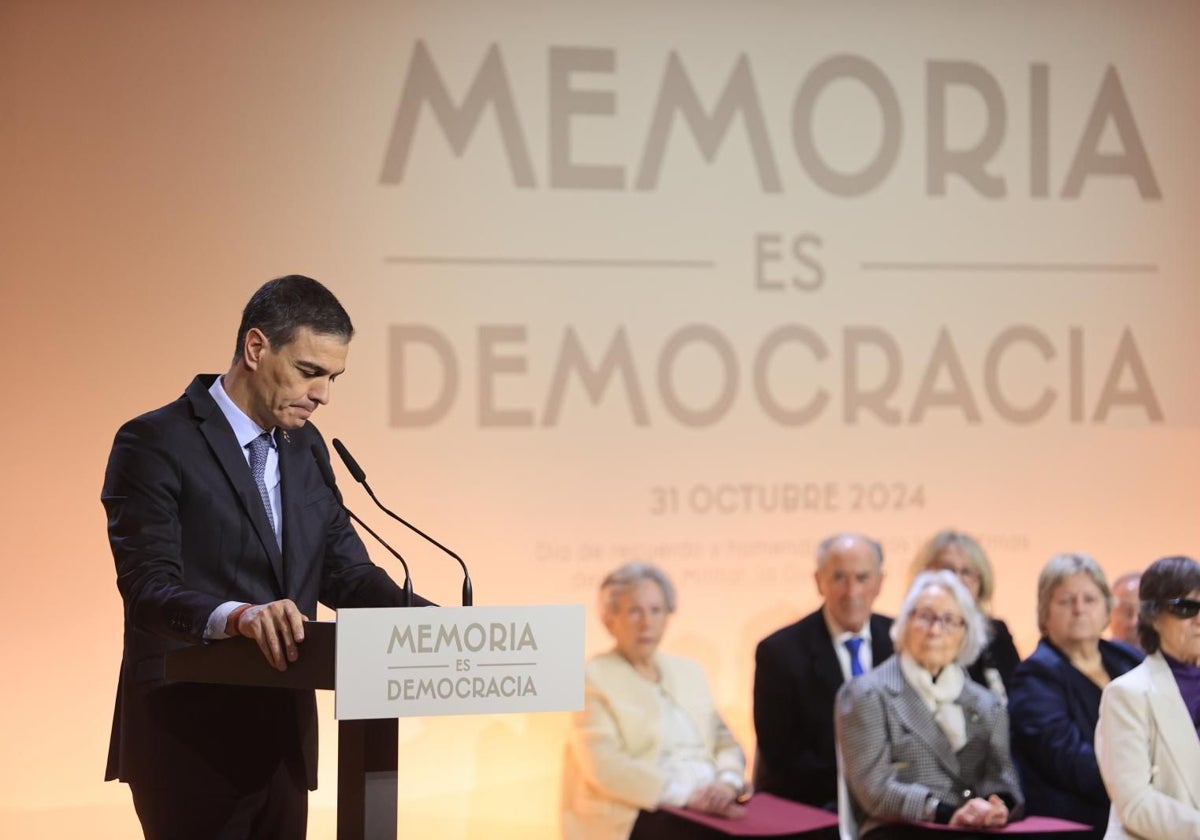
<point>924,734</point>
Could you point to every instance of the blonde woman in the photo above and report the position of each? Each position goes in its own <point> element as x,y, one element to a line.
<point>962,554</point>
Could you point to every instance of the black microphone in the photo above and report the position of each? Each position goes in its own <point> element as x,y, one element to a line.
<point>327,475</point>
<point>356,472</point>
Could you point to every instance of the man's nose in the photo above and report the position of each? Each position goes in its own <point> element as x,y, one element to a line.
<point>319,393</point>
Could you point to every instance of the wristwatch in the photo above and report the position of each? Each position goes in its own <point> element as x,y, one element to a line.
<point>931,805</point>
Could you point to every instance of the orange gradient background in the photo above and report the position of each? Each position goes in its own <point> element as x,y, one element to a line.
<point>161,160</point>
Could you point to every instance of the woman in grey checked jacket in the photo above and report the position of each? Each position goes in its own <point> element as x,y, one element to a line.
<point>918,740</point>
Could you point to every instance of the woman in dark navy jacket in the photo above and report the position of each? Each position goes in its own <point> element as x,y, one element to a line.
<point>1055,697</point>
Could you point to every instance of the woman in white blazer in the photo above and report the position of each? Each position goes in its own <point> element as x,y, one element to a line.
<point>1148,735</point>
<point>649,733</point>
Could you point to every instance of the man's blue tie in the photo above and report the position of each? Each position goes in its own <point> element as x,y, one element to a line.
<point>258,468</point>
<point>853,644</point>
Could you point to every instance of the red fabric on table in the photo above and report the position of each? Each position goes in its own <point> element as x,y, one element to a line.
<point>1029,825</point>
<point>766,816</point>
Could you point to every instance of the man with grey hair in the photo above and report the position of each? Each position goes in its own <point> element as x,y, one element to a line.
<point>799,669</point>
<point>1122,625</point>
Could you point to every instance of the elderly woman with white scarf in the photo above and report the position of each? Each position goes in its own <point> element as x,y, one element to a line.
<point>918,741</point>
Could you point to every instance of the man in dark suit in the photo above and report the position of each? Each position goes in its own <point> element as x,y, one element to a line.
<point>221,525</point>
<point>799,669</point>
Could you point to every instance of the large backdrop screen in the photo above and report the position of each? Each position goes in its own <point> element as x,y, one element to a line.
<point>695,283</point>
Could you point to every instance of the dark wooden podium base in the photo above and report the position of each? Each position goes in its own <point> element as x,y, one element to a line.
<point>367,749</point>
<point>367,781</point>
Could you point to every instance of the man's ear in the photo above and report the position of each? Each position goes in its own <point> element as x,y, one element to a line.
<point>255,345</point>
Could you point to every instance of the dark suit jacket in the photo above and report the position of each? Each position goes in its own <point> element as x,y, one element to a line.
<point>188,532</point>
<point>1054,709</point>
<point>796,678</point>
<point>895,754</point>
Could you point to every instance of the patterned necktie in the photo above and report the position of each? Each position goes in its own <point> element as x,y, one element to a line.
<point>853,644</point>
<point>258,468</point>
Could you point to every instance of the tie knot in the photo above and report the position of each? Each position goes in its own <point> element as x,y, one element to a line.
<point>259,446</point>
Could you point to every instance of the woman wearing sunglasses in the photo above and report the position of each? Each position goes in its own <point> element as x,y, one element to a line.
<point>1148,736</point>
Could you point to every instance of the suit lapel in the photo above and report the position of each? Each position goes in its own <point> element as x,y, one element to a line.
<point>291,496</point>
<point>223,443</point>
<point>978,733</point>
<point>1172,717</point>
<point>825,660</point>
<point>881,641</point>
<point>917,718</point>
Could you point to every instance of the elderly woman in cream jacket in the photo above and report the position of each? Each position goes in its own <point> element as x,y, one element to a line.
<point>649,733</point>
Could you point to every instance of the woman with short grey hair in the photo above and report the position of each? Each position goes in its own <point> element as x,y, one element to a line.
<point>975,632</point>
<point>919,741</point>
<point>1058,570</point>
<point>624,578</point>
<point>1055,698</point>
<point>649,733</point>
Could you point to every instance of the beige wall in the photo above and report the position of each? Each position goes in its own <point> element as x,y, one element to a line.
<point>160,160</point>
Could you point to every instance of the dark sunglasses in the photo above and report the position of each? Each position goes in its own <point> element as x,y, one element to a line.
<point>1183,607</point>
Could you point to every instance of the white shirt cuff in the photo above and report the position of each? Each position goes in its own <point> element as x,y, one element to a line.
<point>215,628</point>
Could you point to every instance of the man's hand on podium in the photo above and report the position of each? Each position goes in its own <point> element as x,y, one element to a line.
<point>277,627</point>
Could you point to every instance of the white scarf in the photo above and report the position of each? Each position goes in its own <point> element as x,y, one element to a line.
<point>939,697</point>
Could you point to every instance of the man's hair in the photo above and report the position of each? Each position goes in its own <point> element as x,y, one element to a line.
<point>826,546</point>
<point>282,306</point>
<point>1126,579</point>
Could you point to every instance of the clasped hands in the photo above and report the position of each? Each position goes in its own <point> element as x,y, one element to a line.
<point>982,813</point>
<point>719,798</point>
<point>277,627</point>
